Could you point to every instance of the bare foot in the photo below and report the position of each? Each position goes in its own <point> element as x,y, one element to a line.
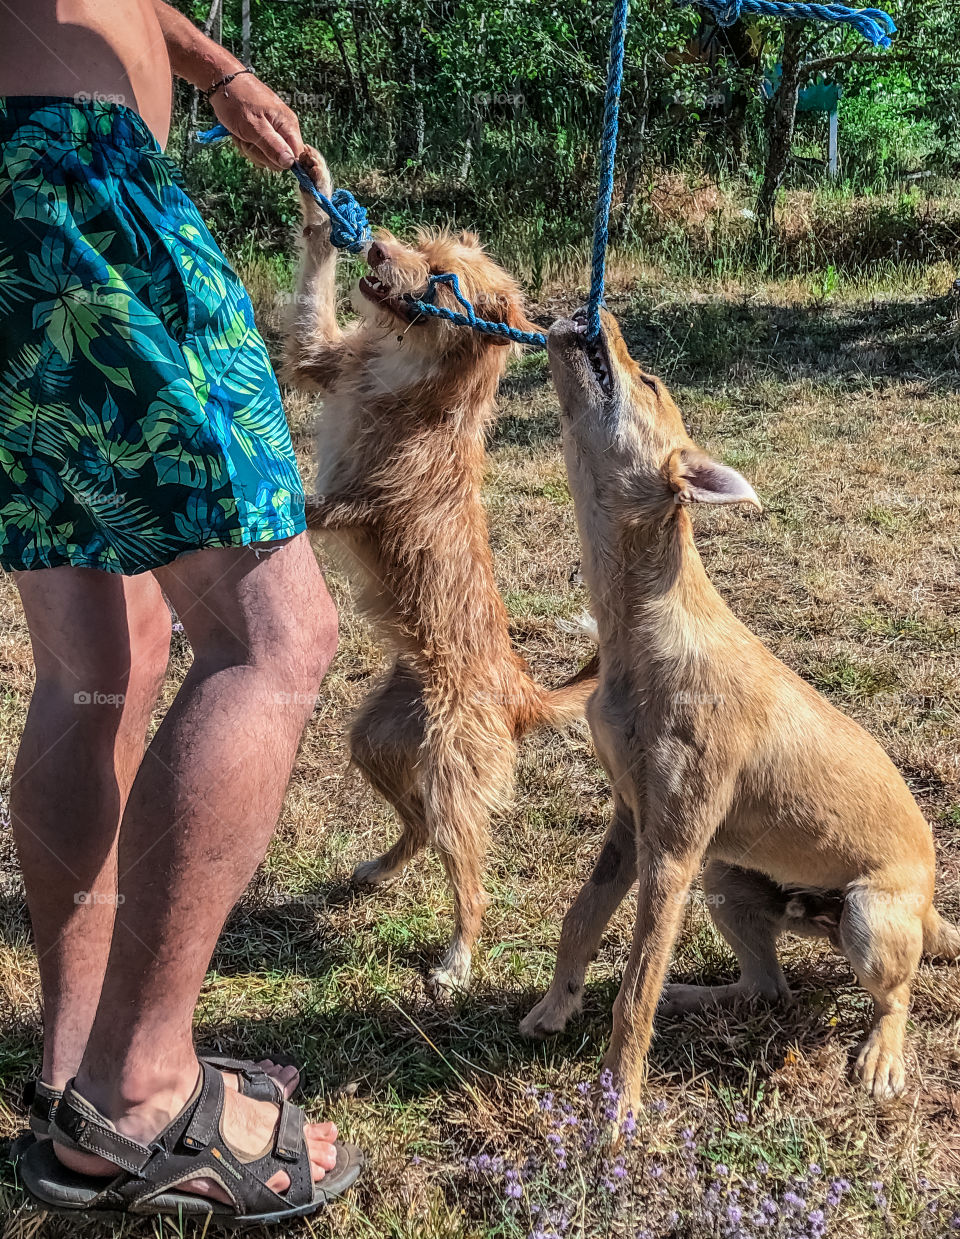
<point>246,1126</point>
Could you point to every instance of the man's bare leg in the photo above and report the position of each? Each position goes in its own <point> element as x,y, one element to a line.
<point>100,647</point>
<point>198,819</point>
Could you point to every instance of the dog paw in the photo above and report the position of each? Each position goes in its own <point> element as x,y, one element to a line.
<point>373,873</point>
<point>681,999</point>
<point>315,166</point>
<point>881,1070</point>
<point>316,224</point>
<point>547,1018</point>
<point>447,982</point>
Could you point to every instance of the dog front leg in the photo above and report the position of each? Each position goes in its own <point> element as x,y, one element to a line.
<point>672,838</point>
<point>313,356</point>
<point>613,875</point>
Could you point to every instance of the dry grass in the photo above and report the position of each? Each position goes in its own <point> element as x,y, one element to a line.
<point>842,405</point>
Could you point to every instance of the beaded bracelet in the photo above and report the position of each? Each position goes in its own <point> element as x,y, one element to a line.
<point>224,82</point>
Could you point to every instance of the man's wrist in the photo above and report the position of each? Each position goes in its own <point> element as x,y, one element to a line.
<point>207,70</point>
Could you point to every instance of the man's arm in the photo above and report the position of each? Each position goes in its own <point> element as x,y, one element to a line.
<point>265,129</point>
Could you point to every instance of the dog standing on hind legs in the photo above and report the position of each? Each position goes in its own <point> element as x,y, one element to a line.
<point>716,751</point>
<point>407,401</point>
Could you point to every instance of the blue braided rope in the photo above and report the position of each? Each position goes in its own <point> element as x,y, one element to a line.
<point>608,152</point>
<point>536,339</point>
<point>350,231</point>
<point>875,25</point>
<point>349,228</point>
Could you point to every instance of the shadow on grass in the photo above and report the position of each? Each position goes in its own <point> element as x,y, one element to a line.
<point>712,342</point>
<point>700,342</point>
<point>366,1033</point>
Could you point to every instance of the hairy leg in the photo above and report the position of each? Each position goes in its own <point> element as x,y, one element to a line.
<point>314,352</point>
<point>100,647</point>
<point>748,909</point>
<point>199,816</point>
<point>613,875</point>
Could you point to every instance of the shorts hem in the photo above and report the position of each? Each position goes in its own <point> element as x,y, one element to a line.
<point>247,536</point>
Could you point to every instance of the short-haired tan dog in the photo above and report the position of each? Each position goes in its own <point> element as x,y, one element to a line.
<point>400,452</point>
<point>715,750</point>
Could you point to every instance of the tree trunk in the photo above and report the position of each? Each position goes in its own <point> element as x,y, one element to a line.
<point>747,61</point>
<point>783,118</point>
<point>358,47</point>
<point>214,13</point>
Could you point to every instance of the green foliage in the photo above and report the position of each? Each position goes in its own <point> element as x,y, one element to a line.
<point>487,114</point>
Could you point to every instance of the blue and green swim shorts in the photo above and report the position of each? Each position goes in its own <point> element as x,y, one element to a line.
<point>140,417</point>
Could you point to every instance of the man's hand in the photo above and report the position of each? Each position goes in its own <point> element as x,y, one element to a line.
<point>264,128</point>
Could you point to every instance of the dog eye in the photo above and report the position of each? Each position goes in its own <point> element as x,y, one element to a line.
<point>653,384</point>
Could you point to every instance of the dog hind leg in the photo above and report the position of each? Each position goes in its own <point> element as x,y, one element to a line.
<point>748,909</point>
<point>465,781</point>
<point>613,874</point>
<point>881,935</point>
<point>385,739</point>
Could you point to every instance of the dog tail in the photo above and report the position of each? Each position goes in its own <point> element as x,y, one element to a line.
<point>940,938</point>
<point>568,702</point>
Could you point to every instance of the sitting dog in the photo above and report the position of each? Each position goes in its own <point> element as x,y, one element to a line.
<point>400,450</point>
<point>715,750</point>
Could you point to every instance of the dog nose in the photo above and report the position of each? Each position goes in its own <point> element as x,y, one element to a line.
<point>376,255</point>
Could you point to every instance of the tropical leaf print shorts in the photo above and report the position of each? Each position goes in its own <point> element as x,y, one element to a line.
<point>139,414</point>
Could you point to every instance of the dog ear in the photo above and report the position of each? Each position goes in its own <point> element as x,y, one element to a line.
<point>696,478</point>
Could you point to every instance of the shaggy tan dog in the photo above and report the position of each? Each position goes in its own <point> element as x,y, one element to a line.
<point>716,750</point>
<point>400,452</point>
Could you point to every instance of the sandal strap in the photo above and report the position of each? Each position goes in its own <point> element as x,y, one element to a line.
<point>80,1125</point>
<point>191,1147</point>
<point>41,1101</point>
<point>254,1081</point>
